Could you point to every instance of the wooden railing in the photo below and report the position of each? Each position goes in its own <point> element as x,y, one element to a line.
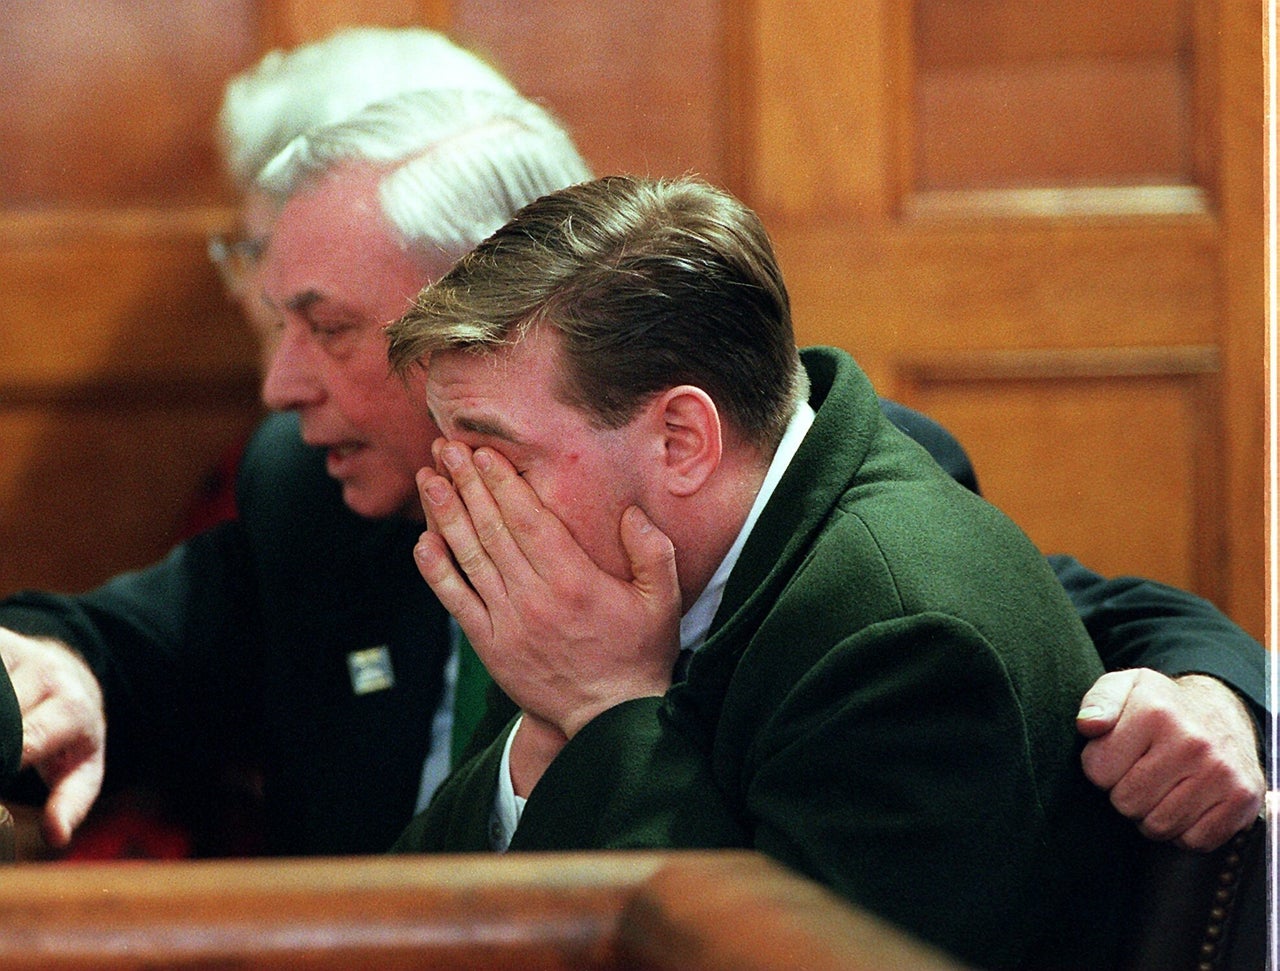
<point>701,911</point>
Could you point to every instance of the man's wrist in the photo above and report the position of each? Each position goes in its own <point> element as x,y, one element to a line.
<point>534,745</point>
<point>1208,683</point>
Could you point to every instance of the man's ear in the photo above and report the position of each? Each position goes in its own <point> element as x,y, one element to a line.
<point>688,423</point>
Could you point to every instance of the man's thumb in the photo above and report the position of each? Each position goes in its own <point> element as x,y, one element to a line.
<point>652,556</point>
<point>1101,705</point>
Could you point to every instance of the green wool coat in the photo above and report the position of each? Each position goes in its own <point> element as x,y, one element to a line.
<point>885,703</point>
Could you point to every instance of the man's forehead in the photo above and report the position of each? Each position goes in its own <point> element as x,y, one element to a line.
<point>473,392</point>
<point>450,367</point>
<point>332,242</point>
<point>456,378</point>
<point>343,198</point>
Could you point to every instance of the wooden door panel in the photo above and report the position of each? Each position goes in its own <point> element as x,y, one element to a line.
<point>1135,110</point>
<point>638,85</point>
<point>1124,498</point>
<point>908,289</point>
<point>1008,93</point>
<point>104,304</point>
<point>109,105</point>
<point>1076,183</point>
<point>91,488</point>
<point>123,370</point>
<point>1020,218</point>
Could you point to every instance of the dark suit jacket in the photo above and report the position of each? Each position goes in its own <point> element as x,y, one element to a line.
<point>236,647</point>
<point>885,702</point>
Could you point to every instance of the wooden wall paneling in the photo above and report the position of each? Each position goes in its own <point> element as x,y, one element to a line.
<point>124,374</point>
<point>817,74</point>
<point>1238,131</point>
<point>1089,260</point>
<point>1137,419</point>
<point>97,298</point>
<point>1055,123</point>
<point>639,86</point>
<point>111,105</point>
<point>1204,57</point>
<point>1001,31</point>
<point>808,111</point>
<point>1064,92</point>
<point>117,488</point>
<point>123,370</point>
<point>115,333</point>
<point>935,286</point>
<point>1225,154</point>
<point>287,23</point>
<point>738,114</point>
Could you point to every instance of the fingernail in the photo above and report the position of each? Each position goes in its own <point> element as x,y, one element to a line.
<point>451,455</point>
<point>1089,711</point>
<point>639,519</point>
<point>437,492</point>
<point>483,460</point>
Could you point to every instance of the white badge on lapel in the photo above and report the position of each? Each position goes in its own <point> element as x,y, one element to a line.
<point>370,670</point>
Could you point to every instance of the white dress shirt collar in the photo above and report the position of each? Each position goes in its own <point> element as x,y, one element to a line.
<point>697,620</point>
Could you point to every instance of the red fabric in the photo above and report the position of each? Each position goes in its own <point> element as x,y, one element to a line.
<point>215,501</point>
<point>129,829</point>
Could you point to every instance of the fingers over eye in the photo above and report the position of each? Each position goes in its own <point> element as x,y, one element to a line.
<point>449,519</point>
<point>521,511</point>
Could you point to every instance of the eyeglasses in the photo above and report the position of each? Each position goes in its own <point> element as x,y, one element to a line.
<point>235,258</point>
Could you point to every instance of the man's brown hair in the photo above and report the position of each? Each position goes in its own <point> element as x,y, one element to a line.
<point>650,284</point>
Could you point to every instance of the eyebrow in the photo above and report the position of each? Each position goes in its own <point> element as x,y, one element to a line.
<point>302,302</point>
<point>298,303</point>
<point>487,428</point>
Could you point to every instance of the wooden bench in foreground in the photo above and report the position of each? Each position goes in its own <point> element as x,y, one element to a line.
<point>693,911</point>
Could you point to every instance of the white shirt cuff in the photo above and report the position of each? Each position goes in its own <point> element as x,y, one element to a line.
<point>507,806</point>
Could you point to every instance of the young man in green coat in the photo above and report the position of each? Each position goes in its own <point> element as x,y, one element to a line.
<point>882,671</point>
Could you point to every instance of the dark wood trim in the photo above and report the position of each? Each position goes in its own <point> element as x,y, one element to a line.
<point>694,911</point>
